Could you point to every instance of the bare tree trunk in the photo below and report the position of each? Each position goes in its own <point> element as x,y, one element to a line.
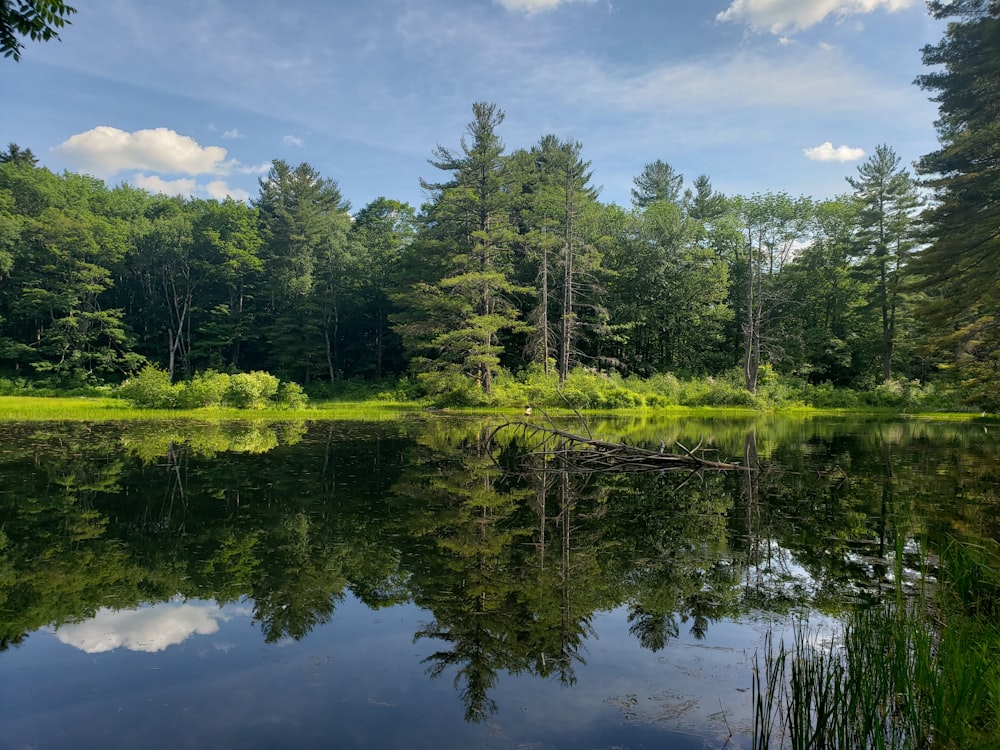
<point>751,329</point>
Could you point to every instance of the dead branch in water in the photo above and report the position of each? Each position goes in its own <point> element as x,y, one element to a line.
<point>580,454</point>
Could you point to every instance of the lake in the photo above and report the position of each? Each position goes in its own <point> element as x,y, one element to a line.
<point>413,584</point>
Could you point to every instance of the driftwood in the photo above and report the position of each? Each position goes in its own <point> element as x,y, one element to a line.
<point>556,450</point>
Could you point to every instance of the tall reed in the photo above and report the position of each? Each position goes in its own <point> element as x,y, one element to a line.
<point>906,673</point>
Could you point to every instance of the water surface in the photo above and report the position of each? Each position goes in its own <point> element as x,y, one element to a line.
<point>403,585</point>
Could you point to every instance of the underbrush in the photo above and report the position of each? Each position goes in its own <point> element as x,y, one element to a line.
<point>151,389</point>
<point>590,389</point>
<point>584,388</point>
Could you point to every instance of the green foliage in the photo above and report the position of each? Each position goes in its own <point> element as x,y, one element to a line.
<point>920,672</point>
<point>38,20</point>
<point>290,396</point>
<point>957,267</point>
<point>250,390</point>
<point>204,389</point>
<point>151,389</point>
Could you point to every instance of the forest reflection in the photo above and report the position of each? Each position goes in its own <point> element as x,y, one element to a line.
<point>511,566</point>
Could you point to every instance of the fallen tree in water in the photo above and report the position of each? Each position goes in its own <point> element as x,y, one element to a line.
<point>557,450</point>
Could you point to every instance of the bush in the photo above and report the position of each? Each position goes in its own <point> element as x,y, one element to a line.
<point>204,389</point>
<point>150,389</point>
<point>290,396</point>
<point>250,390</point>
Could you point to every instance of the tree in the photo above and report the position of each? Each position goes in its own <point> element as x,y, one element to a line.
<point>554,216</point>
<point>304,224</point>
<point>773,226</point>
<point>36,19</point>
<point>381,233</point>
<point>166,263</point>
<point>888,197</point>
<point>669,293</point>
<point>658,182</point>
<point>228,241</point>
<point>961,263</point>
<point>828,336</point>
<point>460,300</point>
<point>55,300</point>
<point>18,156</point>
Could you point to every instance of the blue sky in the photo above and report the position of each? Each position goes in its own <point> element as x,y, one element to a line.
<point>198,96</point>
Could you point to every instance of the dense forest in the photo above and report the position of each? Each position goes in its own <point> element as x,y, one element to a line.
<point>514,264</point>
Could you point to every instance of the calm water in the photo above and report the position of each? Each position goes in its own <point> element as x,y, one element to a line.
<point>396,585</point>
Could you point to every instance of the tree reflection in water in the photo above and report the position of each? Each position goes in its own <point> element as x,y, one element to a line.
<point>511,569</point>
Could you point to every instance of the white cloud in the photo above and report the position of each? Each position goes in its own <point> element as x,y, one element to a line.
<point>220,191</point>
<point>704,87</point>
<point>827,152</point>
<point>781,16</point>
<point>106,150</point>
<point>149,629</point>
<point>234,167</point>
<point>185,186</point>
<point>529,6</point>
<point>293,140</point>
<point>154,184</point>
<point>234,133</point>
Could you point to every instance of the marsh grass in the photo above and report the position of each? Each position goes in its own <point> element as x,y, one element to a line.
<point>906,673</point>
<point>106,409</point>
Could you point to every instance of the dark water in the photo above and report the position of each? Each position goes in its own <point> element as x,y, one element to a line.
<point>399,585</point>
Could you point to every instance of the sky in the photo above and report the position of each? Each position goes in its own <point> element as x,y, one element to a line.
<point>197,97</point>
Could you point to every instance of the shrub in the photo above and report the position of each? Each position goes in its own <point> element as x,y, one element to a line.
<point>150,389</point>
<point>290,396</point>
<point>250,390</point>
<point>204,389</point>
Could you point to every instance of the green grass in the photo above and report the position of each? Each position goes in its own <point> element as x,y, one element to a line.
<point>909,673</point>
<point>106,409</point>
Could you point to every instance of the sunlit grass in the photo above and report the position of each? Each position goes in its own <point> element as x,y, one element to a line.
<point>104,409</point>
<point>100,409</point>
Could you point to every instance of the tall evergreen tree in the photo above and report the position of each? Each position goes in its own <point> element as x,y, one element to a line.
<point>460,301</point>
<point>560,199</point>
<point>658,182</point>
<point>304,224</point>
<point>888,198</point>
<point>961,263</point>
<point>380,235</point>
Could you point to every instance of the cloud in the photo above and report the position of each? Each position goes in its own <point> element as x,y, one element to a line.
<point>106,150</point>
<point>293,140</point>
<point>217,189</point>
<point>782,16</point>
<point>826,152</point>
<point>531,7</point>
<point>149,629</point>
<point>233,134</point>
<point>220,191</point>
<point>154,184</point>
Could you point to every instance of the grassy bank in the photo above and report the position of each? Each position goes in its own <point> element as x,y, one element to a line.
<point>151,395</point>
<point>109,409</point>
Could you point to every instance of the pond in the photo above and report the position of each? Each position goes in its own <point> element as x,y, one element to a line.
<point>400,585</point>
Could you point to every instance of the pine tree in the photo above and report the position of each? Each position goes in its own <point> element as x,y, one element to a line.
<point>961,264</point>
<point>459,299</point>
<point>888,199</point>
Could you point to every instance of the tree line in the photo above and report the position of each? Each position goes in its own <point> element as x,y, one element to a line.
<point>514,263</point>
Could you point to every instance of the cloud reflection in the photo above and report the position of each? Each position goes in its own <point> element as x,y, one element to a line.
<point>149,629</point>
